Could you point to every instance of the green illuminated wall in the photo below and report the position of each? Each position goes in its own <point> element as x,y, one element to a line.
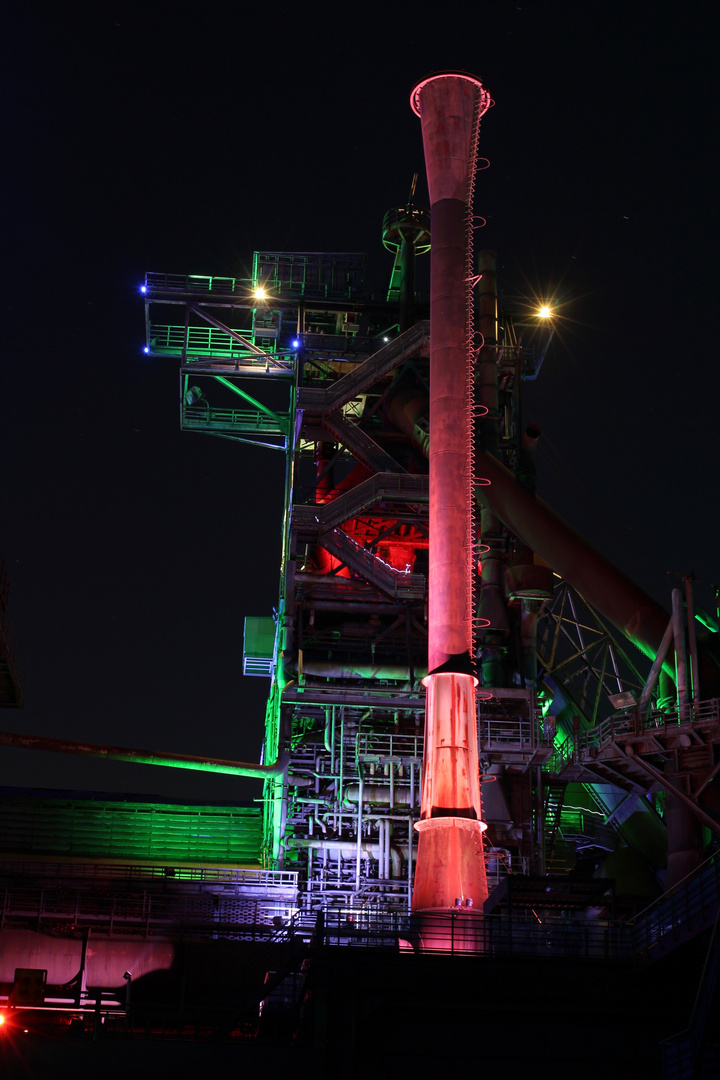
<point>129,832</point>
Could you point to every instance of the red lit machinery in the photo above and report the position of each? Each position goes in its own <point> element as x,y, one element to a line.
<point>439,632</point>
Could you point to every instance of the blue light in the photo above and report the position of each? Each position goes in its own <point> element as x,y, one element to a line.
<point>295,343</point>
<point>146,349</point>
<point>143,289</point>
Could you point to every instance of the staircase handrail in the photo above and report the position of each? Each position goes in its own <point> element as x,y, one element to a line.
<point>374,569</point>
<point>366,373</point>
<point>695,1030</point>
<point>401,487</point>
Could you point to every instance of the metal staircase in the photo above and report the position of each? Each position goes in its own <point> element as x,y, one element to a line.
<point>385,487</point>
<point>638,752</point>
<point>360,560</point>
<point>363,447</point>
<point>365,374</point>
<point>553,799</point>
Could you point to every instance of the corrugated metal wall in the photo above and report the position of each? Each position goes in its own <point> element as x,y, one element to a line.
<point>130,831</point>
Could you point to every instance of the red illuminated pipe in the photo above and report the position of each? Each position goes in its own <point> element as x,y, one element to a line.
<point>450,866</point>
<point>446,105</point>
<point>638,616</point>
<point>618,598</point>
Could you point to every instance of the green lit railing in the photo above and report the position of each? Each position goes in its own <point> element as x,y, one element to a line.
<point>242,421</point>
<point>197,283</point>
<point>244,287</point>
<point>201,341</point>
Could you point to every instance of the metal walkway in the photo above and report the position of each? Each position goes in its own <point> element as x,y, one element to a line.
<point>365,374</point>
<point>388,488</point>
<point>631,751</point>
<point>394,583</point>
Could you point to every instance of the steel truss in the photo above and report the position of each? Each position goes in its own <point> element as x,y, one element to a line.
<point>579,651</point>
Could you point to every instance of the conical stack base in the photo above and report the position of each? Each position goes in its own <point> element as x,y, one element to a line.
<point>450,865</point>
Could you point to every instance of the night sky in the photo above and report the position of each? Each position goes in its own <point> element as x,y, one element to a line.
<point>181,139</point>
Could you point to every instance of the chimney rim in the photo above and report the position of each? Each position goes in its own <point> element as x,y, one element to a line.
<point>451,74</point>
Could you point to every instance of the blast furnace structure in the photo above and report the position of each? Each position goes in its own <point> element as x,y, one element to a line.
<point>439,633</point>
<point>417,562</point>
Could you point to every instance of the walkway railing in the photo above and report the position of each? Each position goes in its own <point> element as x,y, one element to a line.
<point>383,487</point>
<point>134,872</point>
<point>687,909</point>
<point>675,918</point>
<point>170,914</point>
<point>629,723</point>
<point>244,421</point>
<point>465,933</point>
<point>243,288</point>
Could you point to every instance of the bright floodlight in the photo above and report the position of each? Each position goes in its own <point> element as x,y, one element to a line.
<point>544,312</point>
<point>260,293</point>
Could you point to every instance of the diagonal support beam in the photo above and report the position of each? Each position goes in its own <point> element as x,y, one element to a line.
<point>245,342</point>
<point>672,790</point>
<point>368,372</point>
<point>598,766</point>
<point>363,447</point>
<point>282,422</point>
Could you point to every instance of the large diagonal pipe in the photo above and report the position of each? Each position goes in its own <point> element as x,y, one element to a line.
<point>640,618</point>
<point>147,757</point>
<point>450,866</point>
